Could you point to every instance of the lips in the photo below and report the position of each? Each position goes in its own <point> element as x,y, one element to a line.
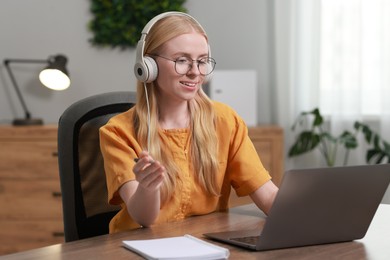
<point>189,84</point>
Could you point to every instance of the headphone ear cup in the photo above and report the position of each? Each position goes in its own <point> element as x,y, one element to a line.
<point>152,69</point>
<point>147,70</point>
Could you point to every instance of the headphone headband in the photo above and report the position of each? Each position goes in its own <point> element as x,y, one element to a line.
<point>145,68</point>
<point>157,18</point>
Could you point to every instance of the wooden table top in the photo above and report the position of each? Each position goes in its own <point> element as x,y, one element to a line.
<point>375,245</point>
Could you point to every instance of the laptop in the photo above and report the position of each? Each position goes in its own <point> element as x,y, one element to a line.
<point>317,206</point>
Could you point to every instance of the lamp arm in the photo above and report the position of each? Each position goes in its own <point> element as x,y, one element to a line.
<point>16,87</point>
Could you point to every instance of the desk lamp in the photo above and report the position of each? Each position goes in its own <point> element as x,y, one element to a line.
<point>55,76</point>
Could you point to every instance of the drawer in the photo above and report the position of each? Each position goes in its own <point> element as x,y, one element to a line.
<point>24,235</point>
<point>30,200</point>
<point>28,160</point>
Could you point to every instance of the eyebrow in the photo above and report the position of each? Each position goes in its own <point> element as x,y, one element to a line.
<point>181,54</point>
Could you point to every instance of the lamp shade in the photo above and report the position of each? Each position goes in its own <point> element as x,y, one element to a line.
<point>55,76</point>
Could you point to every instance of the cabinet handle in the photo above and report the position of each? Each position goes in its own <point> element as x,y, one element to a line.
<point>54,154</point>
<point>56,194</point>
<point>58,234</point>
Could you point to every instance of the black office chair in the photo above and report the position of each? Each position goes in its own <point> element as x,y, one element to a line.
<point>86,212</point>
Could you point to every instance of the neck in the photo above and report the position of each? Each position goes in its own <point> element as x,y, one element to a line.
<point>174,116</point>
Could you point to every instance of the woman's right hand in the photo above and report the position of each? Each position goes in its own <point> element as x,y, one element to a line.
<point>142,195</point>
<point>148,172</point>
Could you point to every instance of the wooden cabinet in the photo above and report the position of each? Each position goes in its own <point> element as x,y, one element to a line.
<point>30,198</point>
<point>268,141</point>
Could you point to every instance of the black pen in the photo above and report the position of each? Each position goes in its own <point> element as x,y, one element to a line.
<point>137,159</point>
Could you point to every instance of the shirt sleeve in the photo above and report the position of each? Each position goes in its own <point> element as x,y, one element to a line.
<point>119,149</point>
<point>244,171</point>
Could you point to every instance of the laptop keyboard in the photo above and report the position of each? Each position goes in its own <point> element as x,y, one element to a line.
<point>252,240</point>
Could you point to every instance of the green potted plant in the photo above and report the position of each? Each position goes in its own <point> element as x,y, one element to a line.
<point>119,23</point>
<point>314,136</point>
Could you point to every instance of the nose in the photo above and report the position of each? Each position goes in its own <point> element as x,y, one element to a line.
<point>194,68</point>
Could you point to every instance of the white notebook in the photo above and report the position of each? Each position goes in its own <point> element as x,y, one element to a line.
<point>183,247</point>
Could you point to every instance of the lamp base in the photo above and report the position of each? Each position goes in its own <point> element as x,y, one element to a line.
<point>27,121</point>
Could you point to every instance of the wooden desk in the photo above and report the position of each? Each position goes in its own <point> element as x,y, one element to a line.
<point>374,246</point>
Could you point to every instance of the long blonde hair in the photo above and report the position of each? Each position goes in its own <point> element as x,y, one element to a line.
<point>204,146</point>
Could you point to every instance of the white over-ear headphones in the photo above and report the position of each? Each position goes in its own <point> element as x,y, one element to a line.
<point>145,68</point>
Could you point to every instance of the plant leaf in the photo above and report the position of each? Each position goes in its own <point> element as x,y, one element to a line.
<point>377,155</point>
<point>365,130</point>
<point>349,140</point>
<point>305,142</point>
<point>318,119</point>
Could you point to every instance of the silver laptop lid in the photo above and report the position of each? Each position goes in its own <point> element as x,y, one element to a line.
<point>324,205</point>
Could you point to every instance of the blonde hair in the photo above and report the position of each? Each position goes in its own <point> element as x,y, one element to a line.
<point>203,134</point>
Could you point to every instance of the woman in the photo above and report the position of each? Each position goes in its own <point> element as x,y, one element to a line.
<point>197,149</point>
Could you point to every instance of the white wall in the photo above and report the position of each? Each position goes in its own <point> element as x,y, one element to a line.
<point>238,32</point>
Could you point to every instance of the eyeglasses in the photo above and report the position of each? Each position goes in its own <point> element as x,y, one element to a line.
<point>183,65</point>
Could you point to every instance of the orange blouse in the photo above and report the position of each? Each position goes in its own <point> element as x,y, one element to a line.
<point>240,166</point>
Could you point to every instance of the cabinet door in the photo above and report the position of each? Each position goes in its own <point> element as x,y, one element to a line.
<point>268,141</point>
<point>28,160</point>
<point>30,197</point>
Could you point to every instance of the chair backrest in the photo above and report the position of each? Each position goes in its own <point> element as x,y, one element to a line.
<point>86,212</point>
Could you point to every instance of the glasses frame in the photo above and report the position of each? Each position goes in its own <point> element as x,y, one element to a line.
<point>211,60</point>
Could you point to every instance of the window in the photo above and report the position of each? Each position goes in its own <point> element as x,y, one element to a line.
<point>354,56</point>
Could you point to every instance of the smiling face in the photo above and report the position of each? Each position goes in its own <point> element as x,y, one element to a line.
<point>174,87</point>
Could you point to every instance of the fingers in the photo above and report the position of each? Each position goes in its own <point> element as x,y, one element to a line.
<point>149,173</point>
<point>149,170</point>
<point>154,179</point>
<point>142,163</point>
<point>143,155</point>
